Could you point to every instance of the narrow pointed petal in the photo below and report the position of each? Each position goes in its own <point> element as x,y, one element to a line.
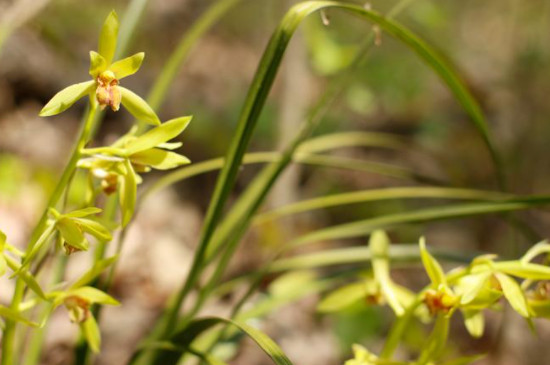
<point>138,107</point>
<point>156,136</point>
<point>91,332</point>
<point>108,37</point>
<point>127,66</point>
<point>127,196</point>
<point>513,293</point>
<point>66,97</point>
<point>98,64</point>
<point>433,269</point>
<point>159,159</point>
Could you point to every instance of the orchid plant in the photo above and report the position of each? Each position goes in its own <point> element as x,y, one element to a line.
<point>115,172</point>
<point>116,167</point>
<point>471,290</point>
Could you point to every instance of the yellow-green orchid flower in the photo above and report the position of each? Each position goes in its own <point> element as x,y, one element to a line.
<point>104,89</point>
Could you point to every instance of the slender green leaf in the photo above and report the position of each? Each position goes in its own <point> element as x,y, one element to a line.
<point>352,139</point>
<point>196,30</point>
<point>376,195</point>
<point>66,97</point>
<point>354,255</point>
<point>360,228</point>
<point>186,337</point>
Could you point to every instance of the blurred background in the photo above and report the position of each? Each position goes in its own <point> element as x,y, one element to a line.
<point>500,48</point>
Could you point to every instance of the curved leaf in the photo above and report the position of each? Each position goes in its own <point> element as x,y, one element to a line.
<point>195,328</point>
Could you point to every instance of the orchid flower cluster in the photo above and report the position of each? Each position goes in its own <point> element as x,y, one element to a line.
<point>112,169</point>
<point>472,290</point>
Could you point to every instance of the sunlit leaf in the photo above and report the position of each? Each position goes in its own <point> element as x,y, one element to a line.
<point>66,97</point>
<point>197,327</point>
<point>108,37</point>
<point>138,107</point>
<point>127,66</point>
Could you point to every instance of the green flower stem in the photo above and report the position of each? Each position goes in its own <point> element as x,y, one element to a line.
<point>9,352</point>
<point>36,341</point>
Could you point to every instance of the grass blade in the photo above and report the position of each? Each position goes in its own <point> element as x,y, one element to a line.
<point>185,338</point>
<point>379,194</point>
<point>364,227</point>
